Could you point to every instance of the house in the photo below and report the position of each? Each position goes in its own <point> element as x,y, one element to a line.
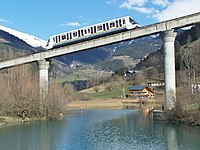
<point>130,73</point>
<point>156,84</point>
<point>140,91</point>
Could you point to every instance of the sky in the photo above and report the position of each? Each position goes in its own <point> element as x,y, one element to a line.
<point>43,18</point>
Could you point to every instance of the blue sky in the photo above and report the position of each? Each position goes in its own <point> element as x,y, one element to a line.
<point>43,18</point>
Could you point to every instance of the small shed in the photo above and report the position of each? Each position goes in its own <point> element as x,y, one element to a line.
<point>140,91</point>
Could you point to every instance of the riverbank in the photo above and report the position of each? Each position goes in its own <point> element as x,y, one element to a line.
<point>192,118</point>
<point>9,120</point>
<point>5,120</point>
<point>116,103</point>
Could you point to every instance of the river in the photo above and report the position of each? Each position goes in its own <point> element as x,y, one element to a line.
<point>100,130</point>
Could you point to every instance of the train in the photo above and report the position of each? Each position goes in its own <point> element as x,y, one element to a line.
<point>91,32</point>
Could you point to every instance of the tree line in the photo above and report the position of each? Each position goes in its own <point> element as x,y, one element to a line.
<point>20,94</point>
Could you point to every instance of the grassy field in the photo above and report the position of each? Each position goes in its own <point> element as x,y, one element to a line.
<point>114,103</point>
<point>116,93</point>
<point>102,93</point>
<point>105,99</point>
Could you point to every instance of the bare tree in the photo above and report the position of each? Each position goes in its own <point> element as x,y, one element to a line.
<point>96,89</point>
<point>140,78</point>
<point>190,63</point>
<point>20,94</point>
<point>56,99</point>
<point>152,72</point>
<point>121,82</point>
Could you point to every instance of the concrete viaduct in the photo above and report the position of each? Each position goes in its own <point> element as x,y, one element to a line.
<point>166,29</point>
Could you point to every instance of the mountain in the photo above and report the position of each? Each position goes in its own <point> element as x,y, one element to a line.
<point>130,50</point>
<point>122,54</point>
<point>138,48</point>
<point>12,46</point>
<point>29,39</point>
<point>129,53</point>
<point>91,56</point>
<point>187,44</point>
<point>8,40</point>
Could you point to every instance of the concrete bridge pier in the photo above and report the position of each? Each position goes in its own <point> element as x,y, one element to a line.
<point>43,76</point>
<point>170,81</point>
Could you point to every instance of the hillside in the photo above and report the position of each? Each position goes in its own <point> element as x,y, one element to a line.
<point>129,53</point>
<point>106,58</point>
<point>27,38</point>
<point>187,44</point>
<point>11,46</point>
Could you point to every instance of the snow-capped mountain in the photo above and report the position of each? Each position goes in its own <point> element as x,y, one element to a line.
<point>29,39</point>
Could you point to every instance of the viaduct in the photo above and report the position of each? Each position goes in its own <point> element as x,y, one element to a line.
<point>166,29</point>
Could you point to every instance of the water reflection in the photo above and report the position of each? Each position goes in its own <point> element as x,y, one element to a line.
<point>171,136</point>
<point>100,130</point>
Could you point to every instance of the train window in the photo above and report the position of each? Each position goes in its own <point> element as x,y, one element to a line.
<point>63,37</point>
<point>70,35</point>
<point>120,22</point>
<point>104,27</point>
<point>85,31</point>
<point>116,23</point>
<point>48,42</point>
<point>131,21</point>
<point>112,24</point>
<point>88,30</point>
<point>74,34</point>
<point>92,30</point>
<point>99,27</point>
<point>53,39</point>
<point>56,39</point>
<point>67,36</point>
<point>95,29</point>
<point>107,26</point>
<point>82,33</point>
<point>124,21</point>
<point>79,33</point>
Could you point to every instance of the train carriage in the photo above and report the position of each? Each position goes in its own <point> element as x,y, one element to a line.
<point>90,32</point>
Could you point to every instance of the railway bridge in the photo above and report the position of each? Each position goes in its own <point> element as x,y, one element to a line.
<point>166,29</point>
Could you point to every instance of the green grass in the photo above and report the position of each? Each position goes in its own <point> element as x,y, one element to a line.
<point>104,94</point>
<point>108,94</point>
<point>73,77</point>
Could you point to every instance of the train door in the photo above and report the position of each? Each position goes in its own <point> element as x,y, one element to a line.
<point>57,39</point>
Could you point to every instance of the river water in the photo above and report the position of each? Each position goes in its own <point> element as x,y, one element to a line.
<point>100,130</point>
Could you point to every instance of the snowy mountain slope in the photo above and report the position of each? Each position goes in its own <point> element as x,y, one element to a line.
<point>29,39</point>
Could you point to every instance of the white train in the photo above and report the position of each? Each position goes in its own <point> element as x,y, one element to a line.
<point>90,32</point>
